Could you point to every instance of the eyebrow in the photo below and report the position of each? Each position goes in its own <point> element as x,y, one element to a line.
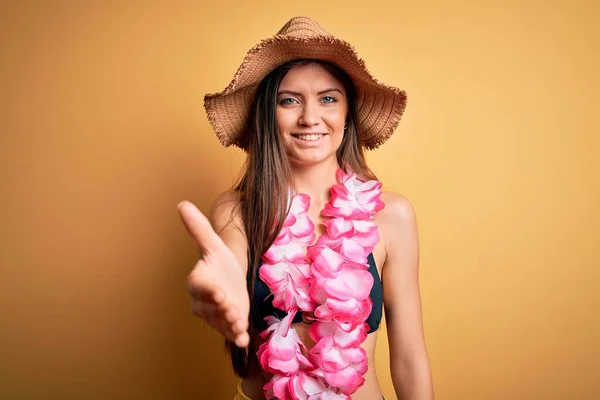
<point>332,89</point>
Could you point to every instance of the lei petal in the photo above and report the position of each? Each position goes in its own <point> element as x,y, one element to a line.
<point>352,338</point>
<point>328,263</point>
<point>331,279</point>
<point>351,283</point>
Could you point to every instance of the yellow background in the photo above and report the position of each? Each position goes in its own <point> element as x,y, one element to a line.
<point>103,133</point>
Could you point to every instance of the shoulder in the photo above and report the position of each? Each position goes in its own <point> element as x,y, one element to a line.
<point>398,209</point>
<point>225,211</point>
<point>227,198</point>
<point>397,222</point>
<point>227,222</point>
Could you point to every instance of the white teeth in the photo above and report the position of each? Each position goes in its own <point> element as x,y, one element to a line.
<point>309,137</point>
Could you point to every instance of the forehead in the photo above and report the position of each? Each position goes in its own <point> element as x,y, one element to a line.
<point>310,77</point>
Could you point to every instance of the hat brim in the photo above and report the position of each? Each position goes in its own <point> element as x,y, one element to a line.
<point>380,107</point>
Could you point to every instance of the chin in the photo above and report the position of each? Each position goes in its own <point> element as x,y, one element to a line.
<point>307,158</point>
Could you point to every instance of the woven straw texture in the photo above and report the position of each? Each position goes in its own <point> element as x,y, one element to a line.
<point>380,107</point>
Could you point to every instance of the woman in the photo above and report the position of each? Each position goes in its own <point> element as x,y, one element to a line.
<point>298,260</point>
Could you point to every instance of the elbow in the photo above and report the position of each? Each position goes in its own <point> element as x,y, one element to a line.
<point>412,378</point>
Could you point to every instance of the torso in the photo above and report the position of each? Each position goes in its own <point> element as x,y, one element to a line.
<point>370,390</point>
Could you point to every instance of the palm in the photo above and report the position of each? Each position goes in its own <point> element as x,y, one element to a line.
<point>221,270</point>
<point>217,283</point>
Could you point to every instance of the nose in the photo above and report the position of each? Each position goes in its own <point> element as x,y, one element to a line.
<point>309,115</point>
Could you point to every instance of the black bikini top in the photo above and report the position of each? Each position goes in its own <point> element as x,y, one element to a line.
<point>263,302</point>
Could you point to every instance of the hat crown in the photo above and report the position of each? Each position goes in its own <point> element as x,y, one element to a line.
<point>302,27</point>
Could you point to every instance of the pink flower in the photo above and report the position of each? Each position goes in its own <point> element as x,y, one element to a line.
<point>281,354</point>
<point>352,282</point>
<point>329,278</point>
<point>337,278</point>
<point>343,335</point>
<point>349,236</point>
<point>302,228</point>
<point>353,312</point>
<point>353,248</point>
<point>297,232</point>
<point>341,368</point>
<point>285,250</point>
<point>341,226</point>
<point>300,387</point>
<point>289,283</point>
<point>352,239</point>
<point>325,261</point>
<point>304,387</point>
<point>278,387</point>
<point>354,198</point>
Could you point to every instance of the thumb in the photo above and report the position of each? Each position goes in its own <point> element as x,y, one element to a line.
<point>199,227</point>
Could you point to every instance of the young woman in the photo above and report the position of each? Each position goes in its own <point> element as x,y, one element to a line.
<point>300,257</point>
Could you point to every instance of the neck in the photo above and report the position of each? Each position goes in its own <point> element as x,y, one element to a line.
<point>315,180</point>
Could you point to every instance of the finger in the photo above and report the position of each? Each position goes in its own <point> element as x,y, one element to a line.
<point>242,340</point>
<point>210,312</point>
<point>204,291</point>
<point>226,318</point>
<point>225,328</point>
<point>199,227</point>
<point>239,326</point>
<point>230,324</point>
<point>231,314</point>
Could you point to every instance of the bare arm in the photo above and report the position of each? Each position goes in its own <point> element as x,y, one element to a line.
<point>408,355</point>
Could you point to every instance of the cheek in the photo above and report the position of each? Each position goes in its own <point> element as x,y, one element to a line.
<point>337,119</point>
<point>284,120</point>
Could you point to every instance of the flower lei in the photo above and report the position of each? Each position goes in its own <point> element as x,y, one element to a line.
<point>329,278</point>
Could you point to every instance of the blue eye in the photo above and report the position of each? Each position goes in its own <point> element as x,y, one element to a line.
<point>329,99</point>
<point>287,101</point>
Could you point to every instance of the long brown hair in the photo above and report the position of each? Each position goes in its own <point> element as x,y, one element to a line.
<point>264,185</point>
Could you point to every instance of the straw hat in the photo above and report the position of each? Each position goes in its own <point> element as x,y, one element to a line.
<point>380,107</point>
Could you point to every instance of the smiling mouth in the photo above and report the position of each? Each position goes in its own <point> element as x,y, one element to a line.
<point>308,137</point>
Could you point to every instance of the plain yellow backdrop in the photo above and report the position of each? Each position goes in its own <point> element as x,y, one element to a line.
<point>103,133</point>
